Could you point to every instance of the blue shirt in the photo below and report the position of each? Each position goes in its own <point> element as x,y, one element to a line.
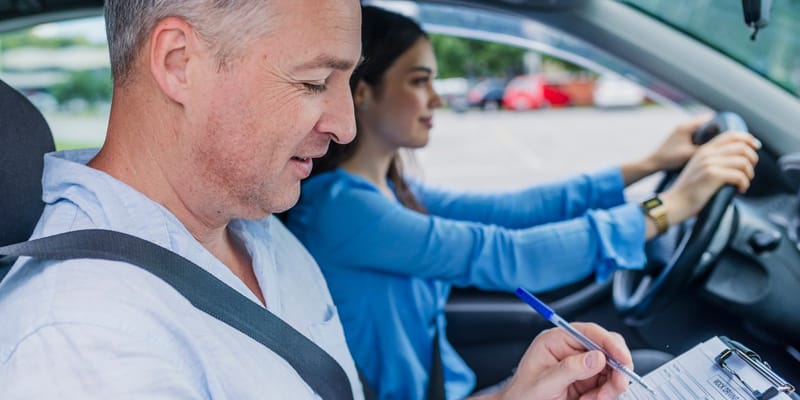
<point>390,269</point>
<point>95,329</point>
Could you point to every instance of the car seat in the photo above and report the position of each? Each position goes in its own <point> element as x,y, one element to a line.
<point>24,139</point>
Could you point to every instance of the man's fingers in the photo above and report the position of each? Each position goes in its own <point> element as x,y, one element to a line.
<point>576,367</point>
<point>612,342</point>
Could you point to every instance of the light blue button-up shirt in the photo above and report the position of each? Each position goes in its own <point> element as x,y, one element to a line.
<point>94,329</point>
<point>390,269</point>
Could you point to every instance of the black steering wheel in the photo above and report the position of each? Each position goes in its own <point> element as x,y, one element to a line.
<point>638,294</point>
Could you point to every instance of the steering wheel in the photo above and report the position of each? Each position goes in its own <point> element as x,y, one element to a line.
<point>697,248</point>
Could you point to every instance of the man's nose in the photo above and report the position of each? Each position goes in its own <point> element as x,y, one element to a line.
<point>338,119</point>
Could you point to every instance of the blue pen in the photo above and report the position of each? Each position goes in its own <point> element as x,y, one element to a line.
<point>551,316</point>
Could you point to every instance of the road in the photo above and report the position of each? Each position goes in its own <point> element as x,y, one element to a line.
<point>505,150</point>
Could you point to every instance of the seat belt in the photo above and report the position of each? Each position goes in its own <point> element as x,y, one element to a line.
<point>436,379</point>
<point>207,293</point>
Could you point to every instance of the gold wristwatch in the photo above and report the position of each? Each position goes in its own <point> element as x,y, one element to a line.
<point>655,210</point>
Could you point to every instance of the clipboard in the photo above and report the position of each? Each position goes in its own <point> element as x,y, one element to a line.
<point>717,369</point>
<point>735,349</point>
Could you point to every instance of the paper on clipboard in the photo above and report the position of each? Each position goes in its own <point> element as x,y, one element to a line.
<point>695,375</point>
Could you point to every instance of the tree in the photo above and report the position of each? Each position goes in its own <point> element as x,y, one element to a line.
<point>91,86</point>
<point>458,57</point>
<point>26,38</point>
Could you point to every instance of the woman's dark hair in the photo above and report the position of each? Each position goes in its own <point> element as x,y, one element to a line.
<point>385,36</point>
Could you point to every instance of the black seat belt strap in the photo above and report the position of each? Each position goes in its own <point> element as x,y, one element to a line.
<point>207,293</point>
<point>436,379</point>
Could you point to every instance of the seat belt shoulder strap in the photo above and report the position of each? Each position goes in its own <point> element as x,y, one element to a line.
<point>207,293</point>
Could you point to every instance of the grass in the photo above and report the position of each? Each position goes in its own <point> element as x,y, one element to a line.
<point>71,145</point>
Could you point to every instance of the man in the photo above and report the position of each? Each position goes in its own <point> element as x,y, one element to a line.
<point>218,109</point>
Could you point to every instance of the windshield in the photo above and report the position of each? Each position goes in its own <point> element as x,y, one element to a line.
<point>774,54</point>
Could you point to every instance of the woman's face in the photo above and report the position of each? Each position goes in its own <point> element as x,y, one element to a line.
<point>400,110</point>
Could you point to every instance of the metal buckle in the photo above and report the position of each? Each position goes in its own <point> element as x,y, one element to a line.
<point>752,359</point>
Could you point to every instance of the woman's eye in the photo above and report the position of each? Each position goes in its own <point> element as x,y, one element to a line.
<point>315,88</point>
<point>420,81</point>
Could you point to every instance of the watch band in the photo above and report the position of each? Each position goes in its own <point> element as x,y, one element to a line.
<point>655,210</point>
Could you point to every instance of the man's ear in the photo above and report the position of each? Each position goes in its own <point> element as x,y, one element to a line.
<point>173,44</point>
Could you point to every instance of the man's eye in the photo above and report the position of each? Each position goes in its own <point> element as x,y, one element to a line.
<point>315,88</point>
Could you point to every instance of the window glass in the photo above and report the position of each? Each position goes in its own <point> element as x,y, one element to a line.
<point>720,24</point>
<point>565,107</point>
<point>63,68</point>
<point>575,109</point>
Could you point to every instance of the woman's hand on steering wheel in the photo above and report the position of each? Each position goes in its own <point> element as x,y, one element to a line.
<point>729,158</point>
<point>677,148</point>
<point>705,188</point>
<point>671,155</point>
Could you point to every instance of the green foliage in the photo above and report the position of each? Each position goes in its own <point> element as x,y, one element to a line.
<point>26,39</point>
<point>465,57</point>
<point>72,145</point>
<point>91,86</point>
<point>563,65</point>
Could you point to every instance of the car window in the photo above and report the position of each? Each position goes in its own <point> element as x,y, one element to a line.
<point>773,53</point>
<point>63,68</point>
<point>576,108</point>
<point>567,107</point>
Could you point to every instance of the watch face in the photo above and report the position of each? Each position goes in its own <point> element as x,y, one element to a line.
<point>652,203</point>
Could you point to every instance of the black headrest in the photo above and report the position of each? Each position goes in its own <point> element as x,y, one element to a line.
<point>24,139</point>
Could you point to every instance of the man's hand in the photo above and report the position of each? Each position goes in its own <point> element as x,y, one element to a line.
<point>557,367</point>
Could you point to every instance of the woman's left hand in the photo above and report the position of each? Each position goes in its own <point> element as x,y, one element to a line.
<point>676,150</point>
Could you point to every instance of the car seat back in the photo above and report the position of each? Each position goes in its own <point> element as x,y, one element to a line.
<point>24,139</point>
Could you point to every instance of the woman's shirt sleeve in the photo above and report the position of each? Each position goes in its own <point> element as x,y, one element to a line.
<point>540,204</point>
<point>357,227</point>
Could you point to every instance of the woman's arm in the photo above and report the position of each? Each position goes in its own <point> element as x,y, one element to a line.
<point>540,204</point>
<point>561,200</point>
<point>360,228</point>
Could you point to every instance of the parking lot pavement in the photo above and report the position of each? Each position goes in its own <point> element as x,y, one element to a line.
<point>71,131</point>
<point>505,150</point>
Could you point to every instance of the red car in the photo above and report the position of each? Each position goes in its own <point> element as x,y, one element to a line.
<point>527,92</point>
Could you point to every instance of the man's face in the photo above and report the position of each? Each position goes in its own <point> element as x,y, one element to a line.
<point>259,121</point>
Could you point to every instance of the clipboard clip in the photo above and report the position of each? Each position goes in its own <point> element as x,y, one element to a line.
<point>777,383</point>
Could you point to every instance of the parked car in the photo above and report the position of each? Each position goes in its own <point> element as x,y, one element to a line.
<point>453,92</point>
<point>487,94</point>
<point>527,92</point>
<point>616,91</point>
<point>746,281</point>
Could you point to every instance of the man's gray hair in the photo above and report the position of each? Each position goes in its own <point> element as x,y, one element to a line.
<point>226,25</point>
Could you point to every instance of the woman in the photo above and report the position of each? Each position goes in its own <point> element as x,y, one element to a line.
<point>390,249</point>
